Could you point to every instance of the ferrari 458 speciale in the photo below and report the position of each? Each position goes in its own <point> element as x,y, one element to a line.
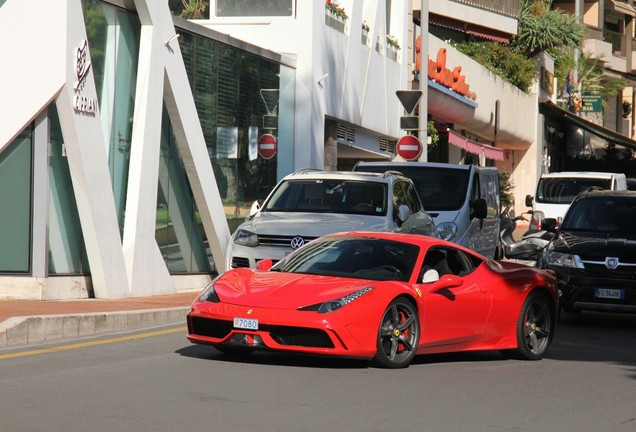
<point>384,297</point>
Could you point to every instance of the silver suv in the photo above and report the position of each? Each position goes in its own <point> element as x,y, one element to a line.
<point>309,203</point>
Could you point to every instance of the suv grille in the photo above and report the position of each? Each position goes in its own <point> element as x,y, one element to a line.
<point>595,266</point>
<point>281,240</point>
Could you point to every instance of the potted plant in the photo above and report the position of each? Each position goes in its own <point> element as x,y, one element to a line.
<point>365,32</point>
<point>335,15</point>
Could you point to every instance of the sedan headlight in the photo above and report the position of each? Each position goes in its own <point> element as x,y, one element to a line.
<point>559,259</point>
<point>209,294</point>
<point>446,230</point>
<point>244,237</point>
<point>333,305</point>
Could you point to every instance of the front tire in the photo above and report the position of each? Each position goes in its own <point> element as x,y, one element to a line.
<point>398,335</point>
<point>534,329</point>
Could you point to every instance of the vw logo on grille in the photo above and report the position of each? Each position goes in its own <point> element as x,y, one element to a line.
<point>611,263</point>
<point>297,242</point>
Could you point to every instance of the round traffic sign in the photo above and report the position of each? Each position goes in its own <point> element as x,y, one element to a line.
<point>409,147</point>
<point>267,146</point>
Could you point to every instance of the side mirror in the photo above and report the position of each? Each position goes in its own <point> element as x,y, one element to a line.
<point>264,264</point>
<point>445,282</point>
<point>430,276</point>
<point>403,213</point>
<point>256,206</point>
<point>549,224</point>
<point>529,200</point>
<point>480,209</point>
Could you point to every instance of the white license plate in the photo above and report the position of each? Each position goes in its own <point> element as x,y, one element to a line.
<point>609,293</point>
<point>246,323</point>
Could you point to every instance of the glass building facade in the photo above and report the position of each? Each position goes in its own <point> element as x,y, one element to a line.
<point>236,93</point>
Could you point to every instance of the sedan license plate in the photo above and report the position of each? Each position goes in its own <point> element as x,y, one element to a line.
<point>609,293</point>
<point>246,323</point>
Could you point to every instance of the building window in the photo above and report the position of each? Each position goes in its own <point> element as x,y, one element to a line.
<point>15,208</point>
<point>67,253</point>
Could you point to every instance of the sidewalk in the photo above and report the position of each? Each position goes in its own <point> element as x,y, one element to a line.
<point>26,321</point>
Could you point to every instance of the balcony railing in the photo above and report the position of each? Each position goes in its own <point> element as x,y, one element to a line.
<point>510,8</point>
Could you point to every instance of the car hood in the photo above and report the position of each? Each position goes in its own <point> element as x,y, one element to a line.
<point>271,289</point>
<point>597,244</point>
<point>312,224</point>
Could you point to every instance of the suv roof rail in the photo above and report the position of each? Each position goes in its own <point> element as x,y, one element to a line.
<point>306,170</point>
<point>392,172</point>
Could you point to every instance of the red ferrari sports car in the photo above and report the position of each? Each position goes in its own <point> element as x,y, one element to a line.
<point>385,297</point>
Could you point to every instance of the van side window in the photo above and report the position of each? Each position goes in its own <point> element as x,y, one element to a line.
<point>475,193</point>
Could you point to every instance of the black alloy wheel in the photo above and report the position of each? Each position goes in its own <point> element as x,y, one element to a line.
<point>534,329</point>
<point>398,335</point>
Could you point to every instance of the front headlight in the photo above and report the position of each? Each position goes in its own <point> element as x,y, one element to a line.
<point>244,237</point>
<point>446,230</point>
<point>559,259</point>
<point>209,294</point>
<point>333,305</point>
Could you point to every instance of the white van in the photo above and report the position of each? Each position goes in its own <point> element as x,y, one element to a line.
<point>464,200</point>
<point>556,191</point>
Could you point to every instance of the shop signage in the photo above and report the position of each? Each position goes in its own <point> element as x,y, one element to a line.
<point>82,66</point>
<point>409,147</point>
<point>452,79</point>
<point>591,102</point>
<point>267,146</point>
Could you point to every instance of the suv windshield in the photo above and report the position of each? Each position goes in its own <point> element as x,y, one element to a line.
<point>563,190</point>
<point>439,188</point>
<point>329,196</point>
<point>602,215</point>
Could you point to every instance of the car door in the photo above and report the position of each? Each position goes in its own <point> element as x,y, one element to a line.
<point>456,314</point>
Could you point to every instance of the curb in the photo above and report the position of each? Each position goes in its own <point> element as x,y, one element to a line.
<point>27,329</point>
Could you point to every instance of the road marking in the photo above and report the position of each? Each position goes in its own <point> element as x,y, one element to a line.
<point>91,343</point>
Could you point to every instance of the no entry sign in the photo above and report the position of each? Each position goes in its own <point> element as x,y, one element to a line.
<point>409,147</point>
<point>267,146</point>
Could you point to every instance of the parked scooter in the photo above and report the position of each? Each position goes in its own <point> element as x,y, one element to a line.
<point>530,247</point>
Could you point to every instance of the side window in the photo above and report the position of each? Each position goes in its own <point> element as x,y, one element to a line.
<point>448,261</point>
<point>405,194</point>
<point>475,193</point>
<point>398,195</point>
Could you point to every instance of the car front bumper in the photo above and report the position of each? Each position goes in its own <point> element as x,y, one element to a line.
<point>580,291</point>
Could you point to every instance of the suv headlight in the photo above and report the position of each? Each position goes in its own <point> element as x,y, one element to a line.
<point>245,238</point>
<point>559,259</point>
<point>446,230</point>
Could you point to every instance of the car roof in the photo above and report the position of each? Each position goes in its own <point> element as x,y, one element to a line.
<point>417,164</point>
<point>579,174</point>
<point>344,175</point>
<point>604,193</point>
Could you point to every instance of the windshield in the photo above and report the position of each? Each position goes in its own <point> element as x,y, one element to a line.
<point>439,188</point>
<point>563,190</point>
<point>353,257</point>
<point>600,214</point>
<point>329,196</point>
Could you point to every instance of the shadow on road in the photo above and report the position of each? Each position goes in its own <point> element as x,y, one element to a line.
<point>595,337</point>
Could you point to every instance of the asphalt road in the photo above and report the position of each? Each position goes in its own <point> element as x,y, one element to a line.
<point>160,382</point>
